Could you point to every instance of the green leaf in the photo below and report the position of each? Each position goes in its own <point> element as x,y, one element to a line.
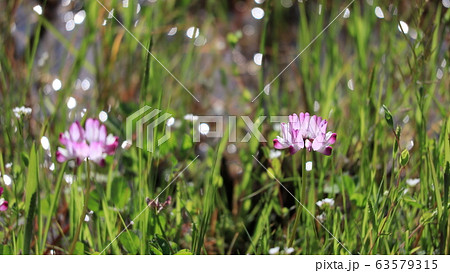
<point>412,202</point>
<point>184,252</point>
<point>187,142</point>
<point>427,217</point>
<point>79,249</point>
<point>25,158</point>
<point>120,193</point>
<point>94,200</point>
<point>30,198</point>
<point>398,132</point>
<point>130,242</point>
<point>358,198</point>
<point>276,165</point>
<point>447,142</point>
<point>163,244</point>
<point>5,250</point>
<point>154,250</point>
<point>382,224</point>
<point>388,117</point>
<point>404,157</point>
<point>414,250</point>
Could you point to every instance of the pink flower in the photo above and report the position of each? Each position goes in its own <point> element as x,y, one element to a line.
<point>91,142</point>
<point>3,203</point>
<point>157,205</point>
<point>306,132</point>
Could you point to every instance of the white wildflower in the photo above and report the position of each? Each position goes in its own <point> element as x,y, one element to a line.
<point>288,250</point>
<point>274,250</point>
<point>190,117</point>
<point>22,111</point>
<point>322,217</point>
<point>68,178</point>
<point>325,202</point>
<point>7,179</point>
<point>274,154</point>
<point>412,182</point>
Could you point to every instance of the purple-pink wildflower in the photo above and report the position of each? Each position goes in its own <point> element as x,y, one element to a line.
<point>92,142</point>
<point>157,205</point>
<point>307,132</point>
<point>3,203</point>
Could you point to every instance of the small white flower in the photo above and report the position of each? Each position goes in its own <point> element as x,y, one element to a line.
<point>274,154</point>
<point>325,202</point>
<point>22,111</point>
<point>7,179</point>
<point>126,144</point>
<point>322,217</point>
<point>170,121</point>
<point>274,250</point>
<point>412,182</point>
<point>288,250</point>
<point>8,165</point>
<point>45,143</point>
<point>68,178</point>
<point>190,117</point>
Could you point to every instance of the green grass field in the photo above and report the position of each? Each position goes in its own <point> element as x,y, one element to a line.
<point>377,71</point>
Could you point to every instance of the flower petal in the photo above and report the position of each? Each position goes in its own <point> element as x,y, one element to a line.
<point>4,206</point>
<point>61,155</point>
<point>76,132</point>
<point>326,150</point>
<point>308,144</point>
<point>92,130</point>
<point>318,143</point>
<point>102,134</point>
<point>331,138</point>
<point>81,150</point>
<point>294,122</point>
<point>298,139</point>
<point>277,144</point>
<point>64,138</point>
<point>112,142</point>
<point>305,124</point>
<point>96,152</point>
<point>292,150</point>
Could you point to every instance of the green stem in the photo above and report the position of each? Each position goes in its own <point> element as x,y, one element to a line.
<point>84,211</point>
<point>54,202</point>
<point>163,233</point>
<point>302,194</point>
